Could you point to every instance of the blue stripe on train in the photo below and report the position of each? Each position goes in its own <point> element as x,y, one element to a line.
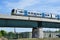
<point>57,16</point>
<point>43,15</point>
<point>25,12</point>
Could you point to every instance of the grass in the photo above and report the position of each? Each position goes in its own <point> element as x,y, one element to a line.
<point>37,39</point>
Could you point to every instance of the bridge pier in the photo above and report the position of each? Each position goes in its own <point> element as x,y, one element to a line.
<point>37,33</point>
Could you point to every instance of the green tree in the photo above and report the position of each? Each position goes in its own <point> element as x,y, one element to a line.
<point>0,34</point>
<point>23,35</point>
<point>4,33</point>
<point>11,35</point>
<point>20,35</point>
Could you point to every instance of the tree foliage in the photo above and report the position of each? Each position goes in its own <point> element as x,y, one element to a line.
<point>0,34</point>
<point>3,33</point>
<point>13,35</point>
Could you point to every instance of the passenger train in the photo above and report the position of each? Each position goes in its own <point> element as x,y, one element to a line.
<point>21,12</point>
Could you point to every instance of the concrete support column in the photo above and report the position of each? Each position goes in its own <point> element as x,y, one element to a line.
<point>40,32</point>
<point>37,33</point>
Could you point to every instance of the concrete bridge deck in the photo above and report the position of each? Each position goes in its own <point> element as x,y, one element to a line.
<point>28,22</point>
<point>28,18</point>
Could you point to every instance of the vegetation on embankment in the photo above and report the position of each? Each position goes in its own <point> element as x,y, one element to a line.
<point>36,39</point>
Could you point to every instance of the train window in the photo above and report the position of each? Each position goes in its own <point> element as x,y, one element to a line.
<point>31,12</point>
<point>40,14</point>
<point>28,12</point>
<point>20,11</point>
<point>13,10</point>
<point>46,14</point>
<point>16,10</point>
<point>34,13</point>
<point>57,15</point>
<point>37,13</point>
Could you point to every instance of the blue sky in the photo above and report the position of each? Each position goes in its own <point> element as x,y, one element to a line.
<point>9,29</point>
<point>49,6</point>
<point>46,6</point>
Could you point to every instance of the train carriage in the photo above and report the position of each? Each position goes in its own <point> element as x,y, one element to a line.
<point>47,15</point>
<point>17,12</point>
<point>20,12</point>
<point>34,14</point>
<point>30,14</point>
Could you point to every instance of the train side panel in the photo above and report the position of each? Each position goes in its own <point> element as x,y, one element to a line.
<point>20,12</point>
<point>34,14</point>
<point>47,15</point>
<point>17,12</point>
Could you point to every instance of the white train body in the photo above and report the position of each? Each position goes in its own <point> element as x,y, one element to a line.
<point>27,13</point>
<point>47,15</point>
